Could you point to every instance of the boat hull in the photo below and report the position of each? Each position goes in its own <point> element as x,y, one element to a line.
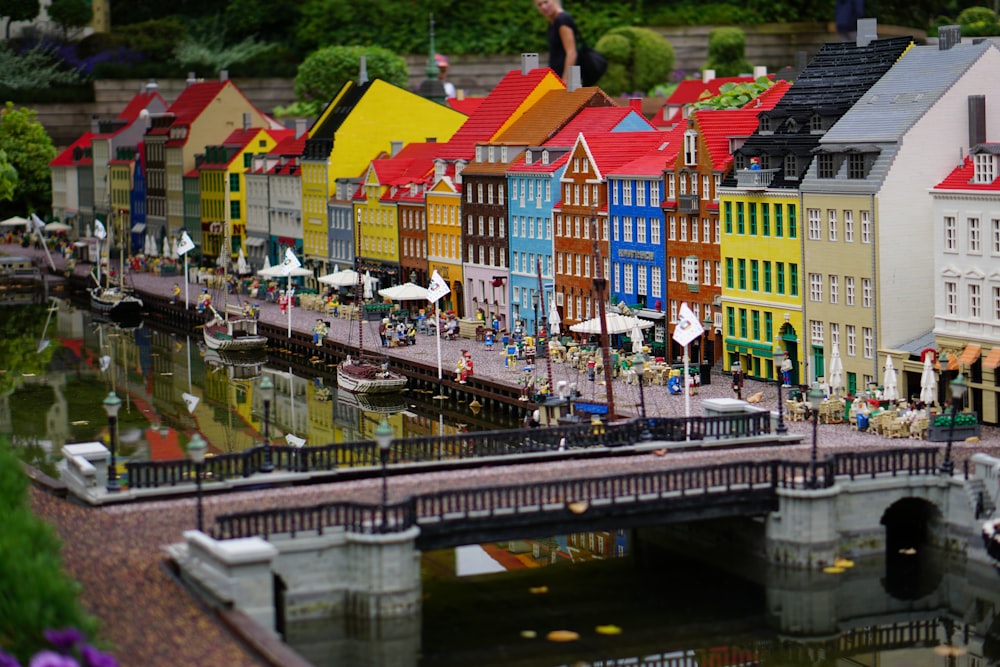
<point>368,378</point>
<point>114,303</point>
<point>234,335</point>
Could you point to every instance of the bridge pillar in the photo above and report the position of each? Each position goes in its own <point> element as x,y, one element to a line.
<point>384,571</point>
<point>803,532</point>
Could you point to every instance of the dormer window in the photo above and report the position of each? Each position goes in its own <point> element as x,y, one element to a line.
<point>492,154</point>
<point>503,153</point>
<point>815,123</point>
<point>690,148</point>
<point>857,166</point>
<point>527,157</point>
<point>791,126</point>
<point>791,167</point>
<point>480,153</point>
<point>764,124</point>
<point>826,166</point>
<point>985,168</point>
<point>545,157</point>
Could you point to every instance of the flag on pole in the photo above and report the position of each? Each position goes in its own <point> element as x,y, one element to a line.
<point>185,245</point>
<point>190,401</point>
<point>290,262</point>
<point>99,230</point>
<point>438,288</point>
<point>688,327</point>
<point>39,225</point>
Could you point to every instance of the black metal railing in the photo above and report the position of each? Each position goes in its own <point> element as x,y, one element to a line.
<point>501,503</point>
<point>509,443</point>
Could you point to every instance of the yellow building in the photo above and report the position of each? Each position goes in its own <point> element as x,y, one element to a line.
<point>761,280</point>
<point>444,240</point>
<point>360,123</point>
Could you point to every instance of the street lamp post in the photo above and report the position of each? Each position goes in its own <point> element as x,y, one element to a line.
<point>815,397</point>
<point>706,324</point>
<point>267,395</point>
<point>196,450</point>
<point>639,363</point>
<point>958,389</point>
<point>737,379</point>
<point>383,438</point>
<point>111,406</point>
<point>534,311</point>
<point>779,357</point>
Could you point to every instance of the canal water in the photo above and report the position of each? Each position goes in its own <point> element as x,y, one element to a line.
<point>600,599</point>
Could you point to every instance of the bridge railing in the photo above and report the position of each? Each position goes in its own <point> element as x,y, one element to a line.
<point>456,447</point>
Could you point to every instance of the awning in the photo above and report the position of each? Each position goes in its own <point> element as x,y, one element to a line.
<point>139,228</point>
<point>970,354</point>
<point>255,241</point>
<point>992,359</point>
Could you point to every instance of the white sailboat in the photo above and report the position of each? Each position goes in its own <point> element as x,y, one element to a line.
<point>110,297</point>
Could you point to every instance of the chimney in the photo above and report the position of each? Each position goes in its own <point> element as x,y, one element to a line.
<point>363,71</point>
<point>529,61</point>
<point>191,80</point>
<point>949,36</point>
<point>152,86</point>
<point>95,125</point>
<point>635,103</point>
<point>395,147</point>
<point>246,120</point>
<point>759,71</point>
<point>575,81</point>
<point>301,127</point>
<point>431,140</point>
<point>223,75</point>
<point>707,75</point>
<point>977,120</point>
<point>867,31</point>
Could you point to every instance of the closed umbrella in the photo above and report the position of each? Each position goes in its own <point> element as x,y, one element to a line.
<point>637,342</point>
<point>369,285</point>
<point>242,267</point>
<point>836,380</point>
<point>928,382</point>
<point>890,390</point>
<point>554,319</point>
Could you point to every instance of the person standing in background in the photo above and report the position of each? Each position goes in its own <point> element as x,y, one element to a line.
<point>846,15</point>
<point>442,65</point>
<point>562,37</point>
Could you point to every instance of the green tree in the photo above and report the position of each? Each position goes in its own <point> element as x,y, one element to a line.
<point>29,150</point>
<point>8,178</point>
<point>19,10</point>
<point>726,52</point>
<point>638,60</point>
<point>70,15</point>
<point>37,594</point>
<point>325,72</point>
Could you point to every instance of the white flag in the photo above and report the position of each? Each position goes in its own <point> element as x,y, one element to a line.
<point>39,225</point>
<point>185,245</point>
<point>688,327</point>
<point>190,401</point>
<point>290,262</point>
<point>99,230</point>
<point>438,288</point>
<point>294,440</point>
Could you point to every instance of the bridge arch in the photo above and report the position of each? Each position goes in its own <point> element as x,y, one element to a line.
<point>913,527</point>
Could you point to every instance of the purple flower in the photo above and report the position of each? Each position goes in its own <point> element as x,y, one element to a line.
<point>52,659</point>
<point>64,639</point>
<point>95,658</point>
<point>7,660</point>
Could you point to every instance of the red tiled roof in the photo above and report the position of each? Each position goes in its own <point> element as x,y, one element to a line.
<point>466,105</point>
<point>961,179</point>
<point>495,110</point>
<point>595,120</point>
<point>139,102</point>
<point>691,90</point>
<point>289,145</point>
<point>193,100</point>
<point>717,126</point>
<point>656,160</point>
<point>611,150</point>
<point>65,159</point>
<point>536,166</point>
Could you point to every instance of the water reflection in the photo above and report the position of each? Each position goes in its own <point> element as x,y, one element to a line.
<point>51,393</point>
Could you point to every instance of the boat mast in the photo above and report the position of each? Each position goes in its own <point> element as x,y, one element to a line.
<point>599,284</point>
<point>541,296</point>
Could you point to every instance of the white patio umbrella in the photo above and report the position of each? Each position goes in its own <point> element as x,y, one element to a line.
<point>836,372</point>
<point>637,341</point>
<point>154,249</point>
<point>404,292</point>
<point>173,248</point>
<point>267,262</point>
<point>554,319</point>
<point>242,267</point>
<point>345,278</point>
<point>617,323</point>
<point>369,285</point>
<point>15,221</point>
<point>280,271</point>
<point>57,227</point>
<point>928,383</point>
<point>890,390</point>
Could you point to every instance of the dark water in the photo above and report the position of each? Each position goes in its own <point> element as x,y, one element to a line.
<point>631,598</point>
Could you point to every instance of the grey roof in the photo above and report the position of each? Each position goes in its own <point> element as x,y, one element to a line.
<point>900,98</point>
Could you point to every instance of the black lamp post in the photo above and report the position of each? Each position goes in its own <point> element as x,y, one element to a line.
<point>196,450</point>
<point>534,311</point>
<point>707,325</point>
<point>737,379</point>
<point>383,438</point>
<point>779,357</point>
<point>267,395</point>
<point>112,404</point>
<point>958,389</point>
<point>815,397</point>
<point>639,363</point>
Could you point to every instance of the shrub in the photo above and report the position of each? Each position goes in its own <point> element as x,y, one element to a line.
<point>726,49</point>
<point>155,40</point>
<point>324,72</point>
<point>638,59</point>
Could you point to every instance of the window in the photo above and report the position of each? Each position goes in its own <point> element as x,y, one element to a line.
<point>755,275</point>
<point>740,222</point>
<point>834,334</point>
<point>729,272</point>
<point>780,275</point>
<point>706,187</point>
<point>742,264</point>
<point>755,324</point>
<point>654,193</point>
<point>627,193</point>
<point>694,230</point>
<point>834,289</point>
<point>791,167</point>
<point>640,230</point>
<point>866,227</point>
<point>753,220</point>
<point>765,218</point>
<point>641,287</point>
<point>671,187</point>
<point>996,303</point>
<point>779,229</point>
<point>629,277</point>
<point>730,321</point>
<point>793,279</point>
<point>718,235</point>
<point>718,274</point>
<point>975,301</point>
<point>831,232</point>
<point>815,287</point>
<point>975,236</point>
<point>768,326</point>
<point>690,148</point>
<point>950,234</point>
<point>691,270</point>
<point>654,230</point>
<point>627,228</point>
<point>816,332</point>
<point>684,228</point>
<point>814,224</point>
<point>866,292</point>
<point>852,341</point>
<point>984,168</point>
<point>728,215</point>
<point>743,322</point>
<point>673,269</point>
<point>673,229</point>
<point>706,272</point>
<point>793,231</point>
<point>855,165</point>
<point>849,286</point>
<point>767,276</point>
<point>706,229</point>
<point>950,297</point>
<point>640,193</point>
<point>867,333</point>
<point>849,226</point>
<point>657,280</point>
<point>995,236</point>
<point>825,166</point>
<point>234,182</point>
